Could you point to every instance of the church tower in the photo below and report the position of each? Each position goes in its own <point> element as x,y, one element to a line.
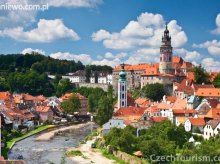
<point>165,66</point>
<point>122,88</point>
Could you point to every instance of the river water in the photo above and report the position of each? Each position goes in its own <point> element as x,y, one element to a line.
<point>35,152</point>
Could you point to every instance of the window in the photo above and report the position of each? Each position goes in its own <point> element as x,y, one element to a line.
<point>122,103</point>
<point>123,88</point>
<point>145,118</point>
<point>123,95</point>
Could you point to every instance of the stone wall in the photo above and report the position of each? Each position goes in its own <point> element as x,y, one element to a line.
<point>93,85</point>
<point>129,158</point>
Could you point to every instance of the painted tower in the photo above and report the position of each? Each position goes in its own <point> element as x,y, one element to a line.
<point>165,66</point>
<point>122,88</point>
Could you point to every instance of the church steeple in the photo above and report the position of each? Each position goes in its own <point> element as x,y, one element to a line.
<point>165,66</point>
<point>122,88</point>
<point>122,74</point>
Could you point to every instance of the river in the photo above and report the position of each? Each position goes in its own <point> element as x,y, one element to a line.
<point>48,152</point>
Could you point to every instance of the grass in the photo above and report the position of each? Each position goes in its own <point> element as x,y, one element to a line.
<point>112,157</point>
<point>73,153</point>
<point>14,140</point>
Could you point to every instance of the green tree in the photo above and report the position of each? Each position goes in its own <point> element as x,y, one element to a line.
<point>178,135</point>
<point>157,147</point>
<point>216,81</point>
<point>64,86</point>
<point>91,103</point>
<point>71,105</point>
<point>201,76</point>
<point>104,111</point>
<point>154,92</point>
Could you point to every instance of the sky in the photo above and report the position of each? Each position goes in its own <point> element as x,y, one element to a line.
<point>109,32</point>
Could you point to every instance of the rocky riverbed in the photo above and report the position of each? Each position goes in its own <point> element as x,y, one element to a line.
<point>51,151</point>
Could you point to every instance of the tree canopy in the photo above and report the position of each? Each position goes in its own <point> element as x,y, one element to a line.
<point>201,76</point>
<point>71,105</point>
<point>216,81</point>
<point>154,92</point>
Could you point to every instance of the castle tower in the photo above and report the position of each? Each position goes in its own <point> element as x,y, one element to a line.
<point>122,88</point>
<point>165,66</point>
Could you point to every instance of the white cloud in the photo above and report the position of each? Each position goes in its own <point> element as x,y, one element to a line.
<point>109,55</point>
<point>74,3</point>
<point>84,58</point>
<point>15,18</point>
<point>46,31</point>
<point>211,64</point>
<point>145,55</point>
<point>190,56</point>
<point>32,51</point>
<point>114,62</point>
<point>213,47</point>
<point>100,35</point>
<point>217,21</point>
<point>145,32</point>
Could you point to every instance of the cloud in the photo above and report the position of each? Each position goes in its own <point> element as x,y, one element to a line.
<point>32,51</point>
<point>114,62</point>
<point>45,32</point>
<point>84,58</point>
<point>190,56</point>
<point>74,3</point>
<point>106,59</point>
<point>100,35</point>
<point>211,64</point>
<point>217,21</point>
<point>213,47</point>
<point>109,55</point>
<point>144,55</point>
<point>14,18</point>
<point>24,18</point>
<point>146,31</point>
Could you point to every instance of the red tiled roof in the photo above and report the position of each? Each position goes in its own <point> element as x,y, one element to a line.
<point>68,95</point>
<point>213,113</point>
<point>152,109</point>
<point>184,111</point>
<point>136,67</point>
<point>208,92</point>
<point>158,119</point>
<point>6,96</point>
<point>177,59</point>
<point>180,104</point>
<point>197,121</point>
<point>190,75</point>
<point>213,75</point>
<point>187,65</point>
<point>151,71</point>
<point>171,98</point>
<point>197,86</point>
<point>164,105</point>
<point>140,100</point>
<point>129,111</point>
<point>42,109</point>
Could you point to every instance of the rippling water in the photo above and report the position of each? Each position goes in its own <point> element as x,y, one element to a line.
<point>47,152</point>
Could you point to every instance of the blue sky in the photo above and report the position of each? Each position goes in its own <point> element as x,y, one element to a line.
<point>112,31</point>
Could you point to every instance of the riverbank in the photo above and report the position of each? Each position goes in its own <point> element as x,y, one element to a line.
<point>49,135</point>
<point>89,155</point>
<point>50,151</point>
<point>11,143</point>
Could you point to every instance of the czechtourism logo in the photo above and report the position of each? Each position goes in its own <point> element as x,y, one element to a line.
<point>172,158</point>
<point>24,7</point>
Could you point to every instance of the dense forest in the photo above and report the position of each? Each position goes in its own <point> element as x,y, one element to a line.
<point>28,74</point>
